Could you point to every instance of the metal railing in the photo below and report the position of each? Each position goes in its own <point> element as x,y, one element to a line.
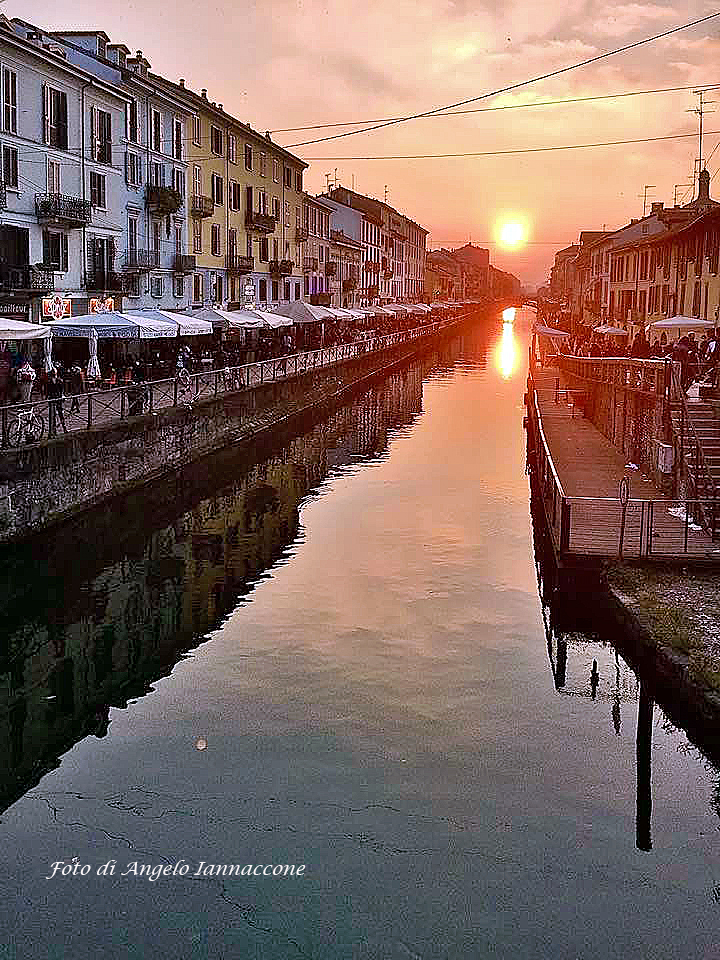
<point>648,377</point>
<point>69,210</point>
<point>694,467</point>
<point>30,423</point>
<point>607,528</point>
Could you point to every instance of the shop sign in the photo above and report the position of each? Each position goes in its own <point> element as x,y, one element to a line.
<point>57,307</point>
<point>9,308</point>
<point>102,306</point>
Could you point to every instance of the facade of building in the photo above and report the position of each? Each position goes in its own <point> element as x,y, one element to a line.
<point>314,249</point>
<point>343,269</point>
<point>444,277</point>
<point>476,264</point>
<point>62,185</point>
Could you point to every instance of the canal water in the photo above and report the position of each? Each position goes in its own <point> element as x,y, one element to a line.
<point>334,654</point>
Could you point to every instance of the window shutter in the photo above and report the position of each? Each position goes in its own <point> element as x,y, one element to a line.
<point>93,134</point>
<point>46,113</point>
<point>64,251</point>
<point>46,247</point>
<point>91,269</point>
<point>127,167</point>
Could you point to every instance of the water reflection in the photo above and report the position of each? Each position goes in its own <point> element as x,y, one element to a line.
<point>507,351</point>
<point>78,643</point>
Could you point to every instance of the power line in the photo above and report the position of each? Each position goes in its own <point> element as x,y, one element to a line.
<point>512,86</point>
<point>503,153</point>
<point>509,106</point>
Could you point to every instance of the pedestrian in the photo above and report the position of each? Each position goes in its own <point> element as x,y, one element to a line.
<point>55,399</point>
<point>25,376</point>
<point>77,386</point>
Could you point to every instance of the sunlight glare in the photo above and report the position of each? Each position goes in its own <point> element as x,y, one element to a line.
<point>507,352</point>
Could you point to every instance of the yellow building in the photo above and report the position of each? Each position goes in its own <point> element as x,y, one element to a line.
<point>245,197</point>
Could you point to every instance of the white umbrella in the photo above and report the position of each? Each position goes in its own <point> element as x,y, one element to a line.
<point>47,354</point>
<point>93,367</point>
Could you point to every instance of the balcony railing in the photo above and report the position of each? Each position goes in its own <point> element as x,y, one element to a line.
<point>301,234</point>
<point>280,268</point>
<point>163,199</point>
<point>138,261</point>
<point>184,262</point>
<point>201,206</point>
<point>30,278</point>
<point>263,222</point>
<point>3,195</point>
<point>57,208</point>
<point>105,281</point>
<point>372,266</point>
<point>239,264</point>
<point>310,264</point>
<point>330,269</point>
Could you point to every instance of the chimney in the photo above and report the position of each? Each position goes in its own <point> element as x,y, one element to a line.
<point>704,185</point>
<point>219,106</point>
<point>203,93</point>
<point>181,82</point>
<point>656,207</point>
<point>139,55</point>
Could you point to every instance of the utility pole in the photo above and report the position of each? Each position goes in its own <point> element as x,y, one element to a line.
<point>648,186</point>
<point>700,112</point>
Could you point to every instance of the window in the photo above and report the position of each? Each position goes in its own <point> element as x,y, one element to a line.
<point>248,157</point>
<point>131,121</point>
<point>10,166</point>
<point>132,238</point>
<point>286,290</point>
<point>156,238</point>
<point>235,196</point>
<point>102,48</point>
<point>178,138</point>
<point>232,148</point>
<point>197,128</point>
<point>287,213</point>
<point>298,181</point>
<point>131,282</point>
<point>100,135</point>
<point>178,182</point>
<point>197,181</point>
<point>97,189</point>
<point>276,171</point>
<point>216,140</point>
<point>249,245</point>
<point>263,256</point>
<point>55,118</point>
<point>156,131</point>
<point>262,202</point>
<point>275,290</point>
<point>232,242</point>
<point>157,174</point>
<point>276,208</point>
<point>262,285</point>
<point>217,189</point>
<point>9,101</point>
<point>178,287</point>
<point>215,240</point>
<point>297,291</point>
<point>55,250</point>
<point>263,164</point>
<point>197,236</point>
<point>217,287</point>
<point>275,249</point>
<point>133,169</point>
<point>178,240</point>
<point>288,177</point>
<point>156,287</point>
<point>249,199</point>
<point>53,176</point>
<point>197,288</point>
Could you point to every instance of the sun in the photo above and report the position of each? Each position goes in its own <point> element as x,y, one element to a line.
<point>512,234</point>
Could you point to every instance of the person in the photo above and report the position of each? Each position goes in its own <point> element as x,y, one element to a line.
<point>640,347</point>
<point>25,376</point>
<point>76,379</point>
<point>55,399</point>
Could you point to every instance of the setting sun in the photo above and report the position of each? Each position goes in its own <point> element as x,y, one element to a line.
<point>512,234</point>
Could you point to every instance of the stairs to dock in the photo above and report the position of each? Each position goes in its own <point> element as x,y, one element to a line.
<point>697,431</point>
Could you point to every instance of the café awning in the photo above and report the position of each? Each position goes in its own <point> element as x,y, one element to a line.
<point>112,324</point>
<point>185,326</point>
<point>301,312</point>
<point>20,330</point>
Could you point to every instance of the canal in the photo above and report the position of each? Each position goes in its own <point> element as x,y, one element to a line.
<point>333,653</point>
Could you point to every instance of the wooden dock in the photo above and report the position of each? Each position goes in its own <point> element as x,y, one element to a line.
<point>582,477</point>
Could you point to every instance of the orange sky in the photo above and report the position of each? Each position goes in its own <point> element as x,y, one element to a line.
<point>279,64</point>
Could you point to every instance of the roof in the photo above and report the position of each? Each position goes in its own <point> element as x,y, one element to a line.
<point>380,203</point>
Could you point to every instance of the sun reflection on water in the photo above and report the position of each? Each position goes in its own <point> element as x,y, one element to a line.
<point>507,351</point>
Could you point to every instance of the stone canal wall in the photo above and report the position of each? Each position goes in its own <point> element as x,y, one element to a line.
<point>49,482</point>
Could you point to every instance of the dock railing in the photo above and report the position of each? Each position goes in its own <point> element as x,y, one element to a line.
<point>22,424</point>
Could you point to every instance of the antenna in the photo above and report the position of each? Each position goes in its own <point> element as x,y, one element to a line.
<point>679,186</point>
<point>327,181</point>
<point>385,193</point>
<point>353,183</point>
<point>648,186</point>
<point>700,112</point>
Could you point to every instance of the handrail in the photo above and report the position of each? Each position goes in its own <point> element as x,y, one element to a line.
<point>629,367</point>
<point>699,455</point>
<point>216,380</point>
<point>545,445</point>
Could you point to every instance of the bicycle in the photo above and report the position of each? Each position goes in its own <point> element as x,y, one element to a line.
<point>29,427</point>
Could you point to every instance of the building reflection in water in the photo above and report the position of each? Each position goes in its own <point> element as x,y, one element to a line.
<point>101,631</point>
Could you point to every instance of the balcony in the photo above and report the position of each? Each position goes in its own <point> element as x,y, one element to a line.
<point>330,269</point>
<point>105,282</point>
<point>372,266</point>
<point>310,264</point>
<point>280,268</point>
<point>201,206</point>
<point>140,261</point>
<point>301,234</point>
<point>184,262</point>
<point>32,279</point>
<point>262,222</point>
<point>64,211</point>
<point>236,264</point>
<point>163,199</point>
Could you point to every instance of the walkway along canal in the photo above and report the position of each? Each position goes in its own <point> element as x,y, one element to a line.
<point>332,652</point>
